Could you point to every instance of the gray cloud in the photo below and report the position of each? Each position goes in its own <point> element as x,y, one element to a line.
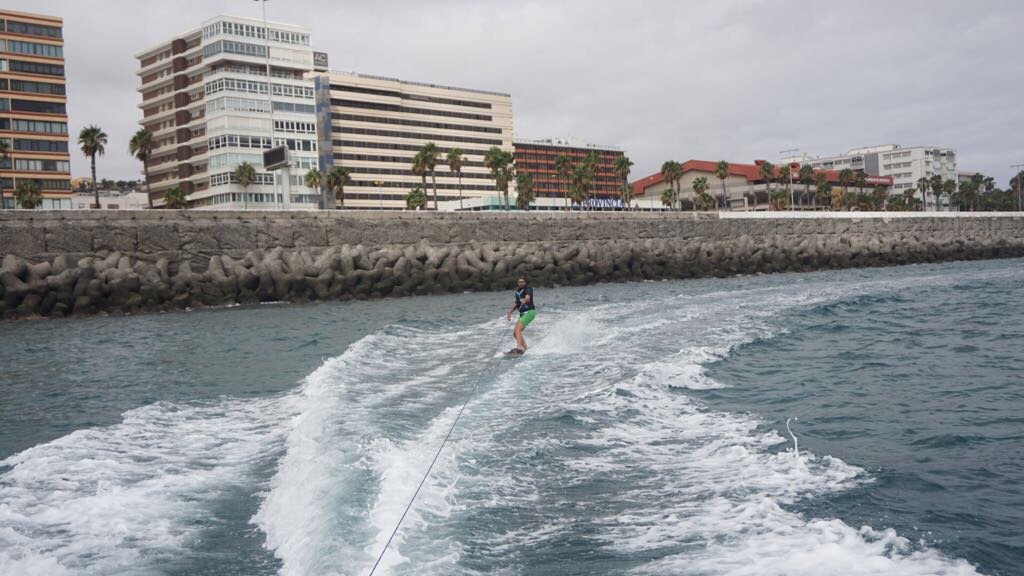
<point>665,80</point>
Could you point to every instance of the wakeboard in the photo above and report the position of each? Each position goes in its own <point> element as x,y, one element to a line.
<point>515,352</point>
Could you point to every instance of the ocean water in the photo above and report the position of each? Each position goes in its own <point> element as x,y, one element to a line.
<point>849,422</point>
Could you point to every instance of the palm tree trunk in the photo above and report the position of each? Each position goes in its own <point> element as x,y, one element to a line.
<point>725,200</point>
<point>245,197</point>
<point>95,190</point>
<point>460,190</point>
<point>433,180</point>
<point>145,173</point>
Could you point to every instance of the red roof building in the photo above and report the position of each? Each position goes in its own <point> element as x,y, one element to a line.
<point>743,182</point>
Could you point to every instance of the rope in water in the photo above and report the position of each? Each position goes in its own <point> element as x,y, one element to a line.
<point>438,454</point>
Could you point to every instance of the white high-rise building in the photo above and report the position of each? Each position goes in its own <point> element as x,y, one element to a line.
<point>206,99</point>
<point>904,165</point>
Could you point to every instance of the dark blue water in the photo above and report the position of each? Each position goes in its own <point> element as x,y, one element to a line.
<point>644,432</point>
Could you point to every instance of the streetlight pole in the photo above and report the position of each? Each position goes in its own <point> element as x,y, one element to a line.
<point>270,88</point>
<point>380,194</point>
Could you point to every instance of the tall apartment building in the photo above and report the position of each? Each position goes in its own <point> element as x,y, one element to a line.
<point>206,99</point>
<point>537,158</point>
<point>904,165</point>
<point>374,126</point>
<point>33,107</point>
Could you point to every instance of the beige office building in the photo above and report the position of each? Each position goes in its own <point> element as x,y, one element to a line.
<point>373,126</point>
<point>207,100</point>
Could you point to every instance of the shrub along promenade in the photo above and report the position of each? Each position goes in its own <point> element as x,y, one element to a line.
<point>79,263</point>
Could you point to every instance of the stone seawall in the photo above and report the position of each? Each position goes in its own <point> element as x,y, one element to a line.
<point>74,263</point>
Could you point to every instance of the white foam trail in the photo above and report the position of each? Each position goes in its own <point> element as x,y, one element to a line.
<point>131,496</point>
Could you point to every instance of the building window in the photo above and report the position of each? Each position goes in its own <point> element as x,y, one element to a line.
<point>28,145</point>
<point>34,49</point>
<point>35,87</point>
<point>38,106</point>
<point>40,126</point>
<point>28,165</point>
<point>36,68</point>
<point>33,29</point>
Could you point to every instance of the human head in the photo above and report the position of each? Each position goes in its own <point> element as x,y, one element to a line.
<point>522,280</point>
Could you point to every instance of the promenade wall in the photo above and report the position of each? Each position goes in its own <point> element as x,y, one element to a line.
<point>64,263</point>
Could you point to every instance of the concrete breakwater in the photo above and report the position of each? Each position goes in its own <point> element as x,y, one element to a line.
<point>75,263</point>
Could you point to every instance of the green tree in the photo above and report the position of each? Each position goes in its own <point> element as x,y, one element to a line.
<point>668,198</point>
<point>860,180</point>
<point>822,190</point>
<point>896,204</point>
<point>622,167</point>
<point>777,200</point>
<point>722,173</point>
<point>28,194</point>
<point>5,147</point>
<point>416,199</point>
<point>174,199</point>
<point>315,180</point>
<point>845,179</point>
<point>524,190</point>
<point>922,186</point>
<point>579,183</point>
<point>92,140</point>
<point>878,194</point>
<point>431,156</point>
<point>563,166</point>
<point>786,178</point>
<point>702,200</point>
<point>592,163</point>
<point>935,187</point>
<point>455,162</point>
<point>246,175</point>
<point>499,162</point>
<point>419,168</point>
<point>626,195</point>
<point>806,176</point>
<point>767,172</point>
<point>335,182</point>
<point>672,172</point>
<point>141,148</point>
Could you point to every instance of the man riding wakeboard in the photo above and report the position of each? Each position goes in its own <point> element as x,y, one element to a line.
<point>527,312</point>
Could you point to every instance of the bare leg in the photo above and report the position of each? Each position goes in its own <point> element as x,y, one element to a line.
<point>519,336</point>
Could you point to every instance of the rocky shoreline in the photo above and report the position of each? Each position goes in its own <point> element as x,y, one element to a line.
<point>72,264</point>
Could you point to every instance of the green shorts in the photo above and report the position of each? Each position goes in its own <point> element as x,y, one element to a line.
<point>526,317</point>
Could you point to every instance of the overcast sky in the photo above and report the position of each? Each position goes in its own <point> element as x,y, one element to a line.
<point>722,79</point>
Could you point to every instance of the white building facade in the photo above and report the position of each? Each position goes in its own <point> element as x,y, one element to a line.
<point>904,165</point>
<point>207,100</point>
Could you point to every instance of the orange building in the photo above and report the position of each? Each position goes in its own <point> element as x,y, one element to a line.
<point>537,158</point>
<point>33,107</point>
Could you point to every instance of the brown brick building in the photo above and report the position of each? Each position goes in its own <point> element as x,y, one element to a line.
<point>33,107</point>
<point>537,158</point>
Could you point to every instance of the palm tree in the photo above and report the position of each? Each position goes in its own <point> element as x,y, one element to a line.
<point>621,167</point>
<point>430,159</point>
<point>174,199</point>
<point>5,147</point>
<point>563,165</point>
<point>672,171</point>
<point>949,188</point>
<point>335,181</point>
<point>766,171</point>
<point>786,178</point>
<point>922,184</point>
<point>701,199</point>
<point>246,175</point>
<point>524,190</point>
<point>935,185</point>
<point>806,176</point>
<point>667,199</point>
<point>845,179</point>
<point>27,195</point>
<point>591,161</point>
<point>499,162</point>
<point>822,189</point>
<point>419,168</point>
<point>455,166</point>
<point>93,141</point>
<point>722,172</point>
<point>860,180</point>
<point>626,195</point>
<point>416,199</point>
<point>141,148</point>
<point>315,180</point>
